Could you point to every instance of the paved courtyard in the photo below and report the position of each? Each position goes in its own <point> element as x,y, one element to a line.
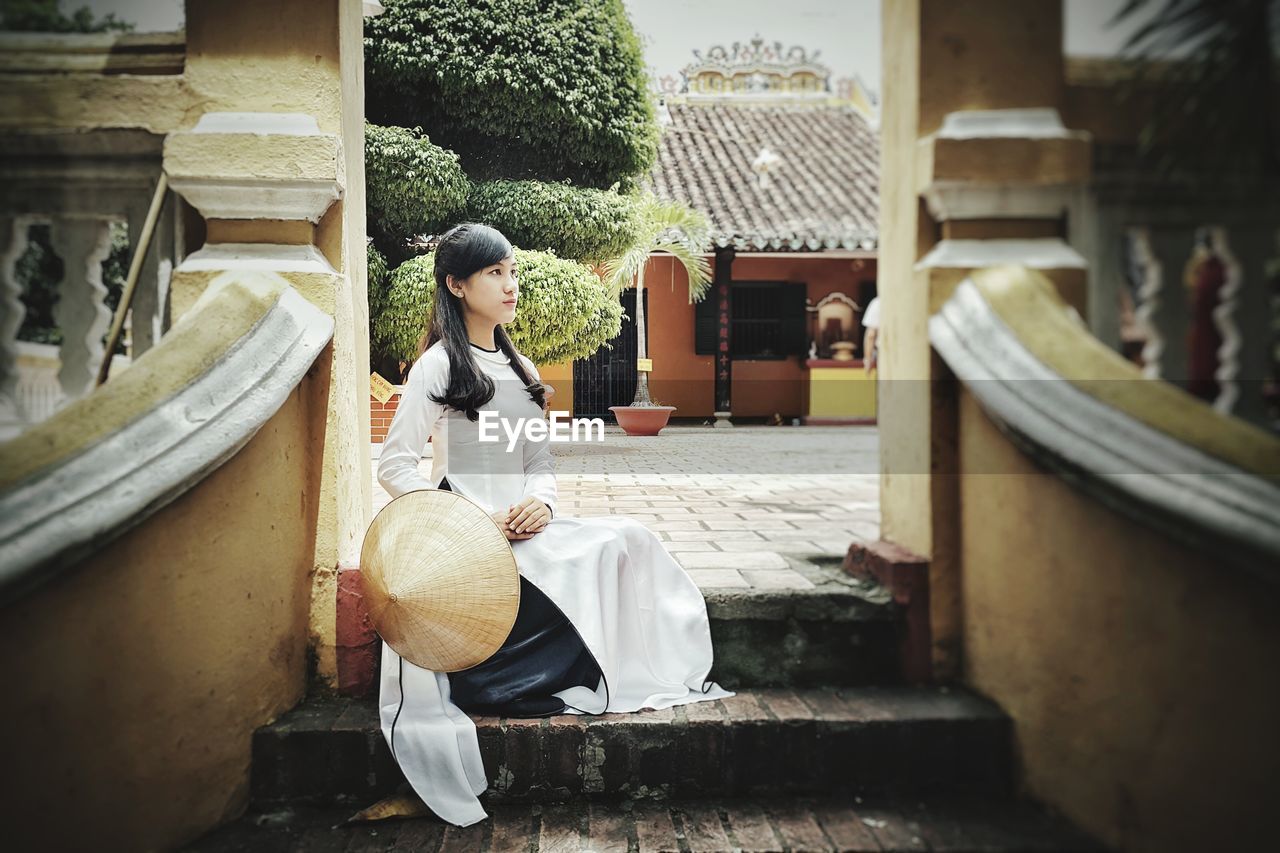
<point>758,507</point>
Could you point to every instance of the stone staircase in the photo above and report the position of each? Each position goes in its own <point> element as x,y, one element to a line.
<point>823,748</point>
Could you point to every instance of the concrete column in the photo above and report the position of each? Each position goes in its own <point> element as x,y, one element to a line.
<point>961,185</point>
<point>291,199</point>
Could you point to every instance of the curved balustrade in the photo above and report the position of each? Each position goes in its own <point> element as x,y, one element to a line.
<point>1141,446</point>
<point>107,461</point>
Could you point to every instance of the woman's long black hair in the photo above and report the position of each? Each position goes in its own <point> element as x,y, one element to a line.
<point>461,251</point>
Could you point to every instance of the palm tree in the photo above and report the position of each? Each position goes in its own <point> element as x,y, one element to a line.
<point>669,228</point>
<point>1214,66</point>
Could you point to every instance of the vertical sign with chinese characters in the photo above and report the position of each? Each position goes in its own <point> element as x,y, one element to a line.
<point>724,357</point>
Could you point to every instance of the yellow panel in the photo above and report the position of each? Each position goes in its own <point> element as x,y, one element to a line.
<point>842,392</point>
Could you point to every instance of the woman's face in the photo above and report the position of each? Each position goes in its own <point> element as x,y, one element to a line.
<point>490,293</point>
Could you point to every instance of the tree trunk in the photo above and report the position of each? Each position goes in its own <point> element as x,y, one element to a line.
<point>642,376</point>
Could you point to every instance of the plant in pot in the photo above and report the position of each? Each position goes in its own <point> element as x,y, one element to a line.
<point>666,228</point>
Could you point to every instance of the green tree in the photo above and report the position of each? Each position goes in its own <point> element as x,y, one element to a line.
<point>413,186</point>
<point>540,124</point>
<point>1213,64</point>
<point>521,89</point>
<point>585,224</point>
<point>668,228</point>
<point>46,16</point>
<point>566,311</point>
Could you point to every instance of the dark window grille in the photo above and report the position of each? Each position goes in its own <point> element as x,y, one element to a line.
<point>756,315</point>
<point>608,377</point>
<point>767,321</point>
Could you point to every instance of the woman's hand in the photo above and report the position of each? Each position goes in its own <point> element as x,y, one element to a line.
<point>500,518</point>
<point>529,516</point>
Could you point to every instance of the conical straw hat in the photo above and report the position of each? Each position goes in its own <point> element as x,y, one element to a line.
<point>440,580</point>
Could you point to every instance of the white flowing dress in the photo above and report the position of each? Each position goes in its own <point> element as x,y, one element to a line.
<point>637,611</point>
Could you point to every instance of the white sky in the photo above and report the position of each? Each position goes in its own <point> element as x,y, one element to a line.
<point>150,16</point>
<point>846,33</point>
<point>1085,30</point>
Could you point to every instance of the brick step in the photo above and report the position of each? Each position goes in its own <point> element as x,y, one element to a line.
<point>825,628</point>
<point>774,824</point>
<point>869,740</point>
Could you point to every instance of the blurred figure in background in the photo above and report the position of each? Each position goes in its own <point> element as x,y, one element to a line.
<point>871,335</point>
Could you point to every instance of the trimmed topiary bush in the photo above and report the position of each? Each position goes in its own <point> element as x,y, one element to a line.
<point>522,89</point>
<point>379,277</point>
<point>564,312</point>
<point>588,225</point>
<point>413,186</point>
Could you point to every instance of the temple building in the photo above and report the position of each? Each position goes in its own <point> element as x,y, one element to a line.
<point>785,165</point>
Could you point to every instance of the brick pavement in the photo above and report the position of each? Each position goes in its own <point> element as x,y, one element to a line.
<point>751,507</point>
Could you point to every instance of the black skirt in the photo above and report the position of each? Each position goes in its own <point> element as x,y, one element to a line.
<point>542,656</point>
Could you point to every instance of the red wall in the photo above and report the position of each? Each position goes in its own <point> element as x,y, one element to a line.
<point>685,380</point>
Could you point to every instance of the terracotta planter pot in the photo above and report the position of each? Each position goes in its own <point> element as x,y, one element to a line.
<point>642,420</point>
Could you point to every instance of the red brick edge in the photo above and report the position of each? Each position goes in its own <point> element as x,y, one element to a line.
<point>357,642</point>
<point>906,576</point>
<point>380,415</point>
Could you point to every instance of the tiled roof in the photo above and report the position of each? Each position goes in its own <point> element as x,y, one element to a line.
<point>823,193</point>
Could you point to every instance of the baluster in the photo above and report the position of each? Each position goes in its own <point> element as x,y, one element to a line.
<point>1148,302</point>
<point>81,312</point>
<point>1162,301</point>
<point>13,242</point>
<point>1243,320</point>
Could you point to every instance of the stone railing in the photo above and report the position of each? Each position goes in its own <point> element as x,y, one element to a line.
<point>1145,448</point>
<point>74,159</point>
<point>78,185</point>
<point>92,53</point>
<point>104,463</point>
<point>38,390</point>
<point>1179,281</point>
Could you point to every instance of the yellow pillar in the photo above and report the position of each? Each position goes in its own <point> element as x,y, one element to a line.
<point>945,64</point>
<point>273,159</point>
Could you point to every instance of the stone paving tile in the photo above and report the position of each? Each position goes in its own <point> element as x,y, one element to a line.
<point>766,524</point>
<point>713,535</point>
<point>778,516</point>
<point>677,547</point>
<point>743,561</point>
<point>677,525</point>
<point>716,514</point>
<point>781,579</point>
<point>718,578</point>
<point>734,549</point>
<point>827,528</point>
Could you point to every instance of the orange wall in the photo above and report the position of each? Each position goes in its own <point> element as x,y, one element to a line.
<point>685,380</point>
